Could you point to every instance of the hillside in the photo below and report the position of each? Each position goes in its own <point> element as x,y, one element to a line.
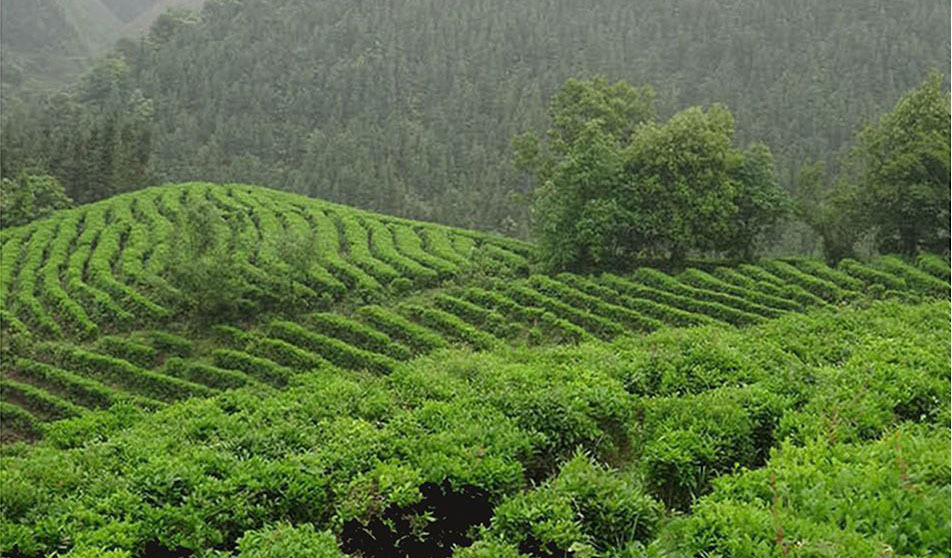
<point>410,108</point>
<point>95,313</point>
<point>377,376</point>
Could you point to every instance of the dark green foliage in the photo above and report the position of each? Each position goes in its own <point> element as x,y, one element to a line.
<point>584,510</point>
<point>614,185</point>
<point>355,131</point>
<point>284,540</point>
<point>905,172</point>
<point>30,197</point>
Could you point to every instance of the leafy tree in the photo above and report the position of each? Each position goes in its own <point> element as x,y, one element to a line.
<point>615,185</point>
<point>30,197</point>
<point>205,263</point>
<point>829,209</point>
<point>905,182</point>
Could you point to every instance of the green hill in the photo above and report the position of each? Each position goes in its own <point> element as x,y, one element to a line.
<point>95,312</point>
<point>386,387</point>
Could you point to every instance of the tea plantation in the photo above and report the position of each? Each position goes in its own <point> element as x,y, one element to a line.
<point>383,387</point>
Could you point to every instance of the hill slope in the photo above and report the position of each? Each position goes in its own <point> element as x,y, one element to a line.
<point>788,436</point>
<point>94,312</point>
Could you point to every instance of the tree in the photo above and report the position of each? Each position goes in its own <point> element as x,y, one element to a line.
<point>614,185</point>
<point>831,210</point>
<point>904,184</point>
<point>30,197</point>
<point>205,264</point>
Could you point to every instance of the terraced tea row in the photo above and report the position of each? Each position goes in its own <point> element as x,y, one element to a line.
<point>56,379</point>
<point>104,267</point>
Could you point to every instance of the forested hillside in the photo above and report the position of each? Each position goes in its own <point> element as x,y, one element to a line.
<point>410,108</point>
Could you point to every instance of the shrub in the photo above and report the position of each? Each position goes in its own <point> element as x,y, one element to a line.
<point>688,441</point>
<point>283,540</point>
<point>419,338</point>
<point>824,289</point>
<point>334,350</point>
<point>451,326</point>
<point>356,333</point>
<point>127,349</point>
<point>704,280</point>
<point>586,302</point>
<point>936,265</point>
<point>259,368</point>
<point>871,275</point>
<point>662,281</point>
<point>586,508</point>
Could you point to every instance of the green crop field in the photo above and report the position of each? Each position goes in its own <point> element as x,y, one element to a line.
<point>386,387</point>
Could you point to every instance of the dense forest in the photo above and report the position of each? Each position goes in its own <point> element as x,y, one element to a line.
<point>410,108</point>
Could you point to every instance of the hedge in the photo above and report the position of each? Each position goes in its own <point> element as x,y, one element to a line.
<point>418,338</point>
<point>261,369</point>
<point>334,350</point>
<point>122,373</point>
<point>596,325</point>
<point>357,333</point>
<point>206,374</point>
<point>39,402</point>
<point>558,329</point>
<point>621,314</point>
<point>409,243</point>
<point>704,280</point>
<point>78,389</point>
<point>285,354</point>
<point>127,349</point>
<point>451,326</point>
<point>662,281</point>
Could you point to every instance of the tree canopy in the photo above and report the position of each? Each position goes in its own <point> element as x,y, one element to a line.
<point>30,197</point>
<point>616,185</point>
<point>905,182</point>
